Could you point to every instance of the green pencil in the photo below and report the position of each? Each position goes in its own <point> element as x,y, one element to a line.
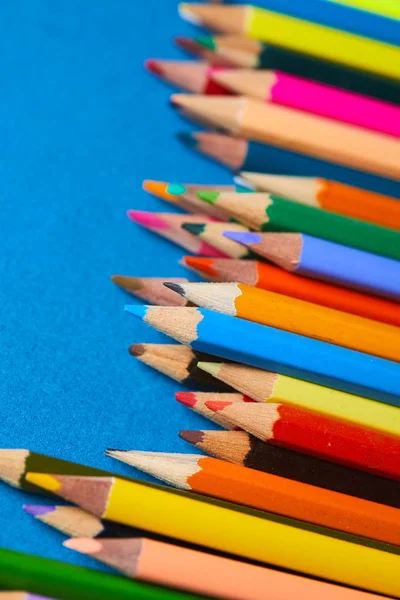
<point>266,212</point>
<point>69,582</point>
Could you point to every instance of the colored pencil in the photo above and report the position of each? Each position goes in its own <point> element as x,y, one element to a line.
<point>271,278</point>
<point>168,226</point>
<point>247,533</point>
<point>310,433</point>
<point>22,596</point>
<point>264,491</point>
<point>199,572</point>
<point>314,257</point>
<point>240,448</point>
<point>64,581</point>
<point>300,36</point>
<point>329,195</point>
<point>380,7</point>
<point>272,349</point>
<point>290,314</point>
<point>266,386</point>
<point>15,463</point>
<point>184,196</point>
<point>297,131</point>
<point>75,522</point>
<point>149,289</point>
<point>276,87</point>
<point>197,402</point>
<point>195,77</point>
<point>177,362</point>
<point>239,52</point>
<point>244,155</point>
<point>266,212</point>
<point>211,234</point>
<point>202,573</point>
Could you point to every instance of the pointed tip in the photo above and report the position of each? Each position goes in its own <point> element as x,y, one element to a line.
<point>204,265</point>
<point>83,545</point>
<point>187,139</point>
<point>136,310</point>
<point>210,367</point>
<point>243,237</point>
<point>186,14</point>
<point>193,437</point>
<point>206,41</point>
<point>216,405</point>
<point>111,451</point>
<point>146,219</point>
<point>130,284</point>
<point>154,67</point>
<point>193,228</point>
<point>186,398</point>
<point>175,287</point>
<point>187,44</point>
<point>157,188</point>
<point>44,481</point>
<point>209,197</point>
<point>136,350</point>
<point>36,510</point>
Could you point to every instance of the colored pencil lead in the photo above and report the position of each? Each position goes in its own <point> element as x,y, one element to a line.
<point>192,76</point>
<point>197,402</point>
<point>212,234</point>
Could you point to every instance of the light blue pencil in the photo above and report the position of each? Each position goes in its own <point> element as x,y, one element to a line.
<point>276,350</point>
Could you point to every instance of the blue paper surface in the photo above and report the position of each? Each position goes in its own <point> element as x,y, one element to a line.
<point>82,124</point>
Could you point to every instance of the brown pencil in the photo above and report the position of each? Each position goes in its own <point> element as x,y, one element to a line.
<point>195,77</point>
<point>177,362</point>
<point>293,130</point>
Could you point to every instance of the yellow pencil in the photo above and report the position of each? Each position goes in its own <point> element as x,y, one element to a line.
<point>301,36</point>
<point>266,386</point>
<point>250,534</point>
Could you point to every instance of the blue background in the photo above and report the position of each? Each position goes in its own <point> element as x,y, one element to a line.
<point>82,124</point>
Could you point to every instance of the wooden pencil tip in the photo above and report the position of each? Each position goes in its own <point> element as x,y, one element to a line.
<point>36,510</point>
<point>43,480</point>
<point>193,437</point>
<point>127,283</point>
<point>136,350</point>
<point>187,139</point>
<point>153,67</point>
<point>210,367</point>
<point>204,265</point>
<point>215,405</point>
<point>187,44</point>
<point>175,287</point>
<point>186,398</point>
<point>83,545</point>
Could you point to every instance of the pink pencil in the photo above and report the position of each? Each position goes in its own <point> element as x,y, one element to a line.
<point>287,90</point>
<point>168,225</point>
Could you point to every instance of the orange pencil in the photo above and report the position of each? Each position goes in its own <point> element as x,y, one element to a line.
<point>202,573</point>
<point>268,277</point>
<point>329,195</point>
<point>265,491</point>
<point>297,316</point>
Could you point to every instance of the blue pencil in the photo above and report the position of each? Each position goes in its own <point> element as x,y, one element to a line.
<point>313,257</point>
<point>276,350</point>
<point>346,18</point>
<point>242,155</point>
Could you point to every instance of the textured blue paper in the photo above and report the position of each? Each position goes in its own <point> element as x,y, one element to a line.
<point>82,124</point>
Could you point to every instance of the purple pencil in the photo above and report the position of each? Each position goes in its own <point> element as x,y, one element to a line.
<point>321,259</point>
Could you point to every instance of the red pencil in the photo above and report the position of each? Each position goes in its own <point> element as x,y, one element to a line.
<point>193,76</point>
<point>311,433</point>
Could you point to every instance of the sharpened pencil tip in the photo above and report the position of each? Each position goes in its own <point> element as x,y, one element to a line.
<point>206,41</point>
<point>136,310</point>
<point>209,197</point>
<point>136,350</point>
<point>175,287</point>
<point>109,451</point>
<point>43,480</point>
<point>36,510</point>
<point>187,139</point>
<point>186,14</point>
<point>215,405</point>
<point>186,398</point>
<point>193,437</point>
<point>243,237</point>
<point>193,228</point>
<point>210,367</point>
<point>83,545</point>
<point>153,67</point>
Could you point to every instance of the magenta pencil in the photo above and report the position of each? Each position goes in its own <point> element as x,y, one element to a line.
<point>168,225</point>
<point>275,87</point>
